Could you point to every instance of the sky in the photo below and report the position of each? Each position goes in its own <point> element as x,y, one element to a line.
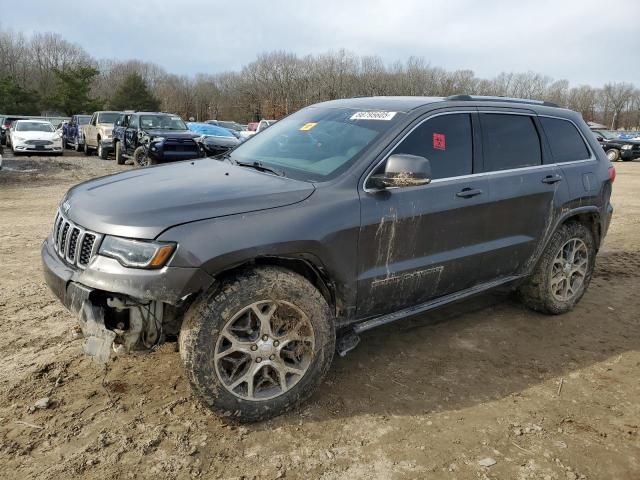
<point>585,41</point>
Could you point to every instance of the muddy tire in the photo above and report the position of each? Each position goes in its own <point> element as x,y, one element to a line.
<point>563,272</point>
<point>119,156</point>
<point>259,344</point>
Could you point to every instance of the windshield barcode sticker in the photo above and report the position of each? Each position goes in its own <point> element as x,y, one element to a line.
<point>373,115</point>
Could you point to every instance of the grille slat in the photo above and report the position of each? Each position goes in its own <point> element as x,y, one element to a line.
<point>73,244</point>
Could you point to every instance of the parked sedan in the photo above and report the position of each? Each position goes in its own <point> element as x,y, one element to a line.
<point>214,139</point>
<point>35,136</point>
<point>617,148</point>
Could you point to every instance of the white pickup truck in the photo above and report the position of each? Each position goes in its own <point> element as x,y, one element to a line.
<point>98,133</point>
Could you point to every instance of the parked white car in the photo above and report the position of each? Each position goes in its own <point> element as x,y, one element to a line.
<point>29,136</point>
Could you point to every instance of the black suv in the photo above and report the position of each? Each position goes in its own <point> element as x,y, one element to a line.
<point>150,138</point>
<point>344,216</point>
<point>616,148</point>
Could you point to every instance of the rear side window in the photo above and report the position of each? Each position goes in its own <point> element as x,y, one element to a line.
<point>566,143</point>
<point>509,141</point>
<point>447,143</point>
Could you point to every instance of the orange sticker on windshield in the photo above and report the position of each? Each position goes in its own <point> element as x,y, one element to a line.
<point>308,126</point>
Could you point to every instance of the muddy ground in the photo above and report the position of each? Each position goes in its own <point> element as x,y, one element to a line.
<point>545,397</point>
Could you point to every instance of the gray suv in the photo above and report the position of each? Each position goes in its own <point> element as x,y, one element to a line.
<point>344,216</point>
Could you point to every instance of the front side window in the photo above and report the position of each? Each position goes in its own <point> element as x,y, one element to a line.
<point>565,141</point>
<point>446,141</point>
<point>509,141</point>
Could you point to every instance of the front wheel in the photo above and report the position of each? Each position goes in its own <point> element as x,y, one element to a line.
<point>563,272</point>
<point>140,157</point>
<point>87,150</point>
<point>103,154</point>
<point>119,156</point>
<point>259,344</point>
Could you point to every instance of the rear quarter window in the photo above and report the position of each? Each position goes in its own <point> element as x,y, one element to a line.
<point>566,143</point>
<point>509,141</point>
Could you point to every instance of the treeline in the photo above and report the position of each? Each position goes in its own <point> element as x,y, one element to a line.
<point>44,72</point>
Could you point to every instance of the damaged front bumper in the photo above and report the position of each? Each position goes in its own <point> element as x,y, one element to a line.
<point>105,289</point>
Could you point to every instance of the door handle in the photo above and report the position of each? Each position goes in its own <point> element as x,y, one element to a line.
<point>551,179</point>
<point>468,192</point>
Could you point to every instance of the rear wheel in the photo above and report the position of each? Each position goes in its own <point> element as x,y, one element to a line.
<point>259,345</point>
<point>613,155</point>
<point>563,272</point>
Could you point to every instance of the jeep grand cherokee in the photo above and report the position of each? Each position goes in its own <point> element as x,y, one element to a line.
<point>346,215</point>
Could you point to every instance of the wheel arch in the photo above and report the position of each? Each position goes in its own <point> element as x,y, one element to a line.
<point>587,216</point>
<point>303,264</point>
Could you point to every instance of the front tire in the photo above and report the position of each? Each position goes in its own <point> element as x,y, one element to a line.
<point>102,153</point>
<point>259,344</point>
<point>119,156</point>
<point>87,150</point>
<point>140,157</point>
<point>563,272</point>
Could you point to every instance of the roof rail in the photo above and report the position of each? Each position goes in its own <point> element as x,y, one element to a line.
<point>482,98</point>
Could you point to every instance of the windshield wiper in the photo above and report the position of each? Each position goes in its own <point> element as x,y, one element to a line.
<point>259,166</point>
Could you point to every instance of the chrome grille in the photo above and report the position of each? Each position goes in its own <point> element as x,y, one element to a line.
<point>38,142</point>
<point>73,243</point>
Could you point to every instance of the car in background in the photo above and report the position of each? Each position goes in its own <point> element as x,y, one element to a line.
<point>5,128</point>
<point>213,138</point>
<point>35,136</point>
<point>616,147</point>
<point>150,138</point>
<point>73,135</point>
<point>264,124</point>
<point>239,131</point>
<point>629,135</point>
<point>98,133</point>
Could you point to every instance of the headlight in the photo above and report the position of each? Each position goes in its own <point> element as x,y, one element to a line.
<point>137,253</point>
<point>627,147</point>
<point>17,138</point>
<point>157,139</point>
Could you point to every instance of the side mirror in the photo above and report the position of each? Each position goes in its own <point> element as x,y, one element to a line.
<point>403,170</point>
<point>599,138</point>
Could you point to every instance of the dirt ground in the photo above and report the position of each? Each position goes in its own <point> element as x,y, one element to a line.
<point>431,397</point>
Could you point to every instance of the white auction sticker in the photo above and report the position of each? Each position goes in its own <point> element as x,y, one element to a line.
<point>373,115</point>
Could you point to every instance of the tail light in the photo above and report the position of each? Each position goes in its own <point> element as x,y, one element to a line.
<point>612,173</point>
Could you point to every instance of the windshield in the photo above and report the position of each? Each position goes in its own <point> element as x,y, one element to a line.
<point>607,134</point>
<point>315,144</point>
<point>84,120</point>
<point>108,117</point>
<point>231,125</point>
<point>162,122</point>
<point>34,127</point>
<point>208,129</point>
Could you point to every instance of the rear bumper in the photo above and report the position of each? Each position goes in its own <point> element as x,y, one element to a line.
<point>74,286</point>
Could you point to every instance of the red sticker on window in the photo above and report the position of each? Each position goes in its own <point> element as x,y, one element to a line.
<point>439,141</point>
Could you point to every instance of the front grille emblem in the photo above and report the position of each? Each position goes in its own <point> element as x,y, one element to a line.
<point>66,206</point>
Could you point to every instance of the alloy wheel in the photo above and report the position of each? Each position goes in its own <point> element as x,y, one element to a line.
<point>264,350</point>
<point>569,269</point>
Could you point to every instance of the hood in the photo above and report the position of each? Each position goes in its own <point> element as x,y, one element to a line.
<point>220,141</point>
<point>157,132</point>
<point>144,202</point>
<point>31,135</point>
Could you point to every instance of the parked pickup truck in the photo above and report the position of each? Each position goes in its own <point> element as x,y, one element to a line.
<point>150,138</point>
<point>72,133</point>
<point>97,134</point>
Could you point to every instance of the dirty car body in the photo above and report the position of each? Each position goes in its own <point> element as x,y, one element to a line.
<point>377,254</point>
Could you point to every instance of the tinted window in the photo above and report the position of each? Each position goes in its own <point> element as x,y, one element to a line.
<point>446,141</point>
<point>565,141</point>
<point>509,141</point>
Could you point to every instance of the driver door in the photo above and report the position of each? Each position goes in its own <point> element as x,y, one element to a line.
<point>420,243</point>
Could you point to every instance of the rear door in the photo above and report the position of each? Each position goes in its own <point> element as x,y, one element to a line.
<point>419,243</point>
<point>131,133</point>
<point>523,189</point>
